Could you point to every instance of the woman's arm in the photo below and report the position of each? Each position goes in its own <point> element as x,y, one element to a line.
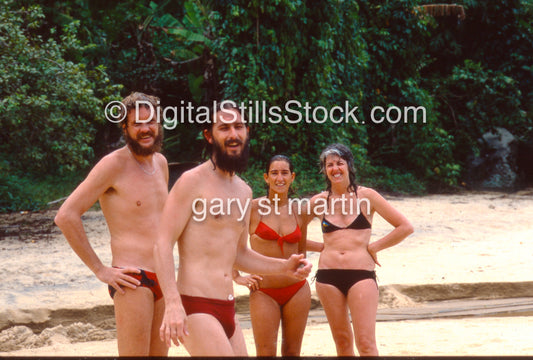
<point>250,281</point>
<point>315,246</point>
<point>402,226</point>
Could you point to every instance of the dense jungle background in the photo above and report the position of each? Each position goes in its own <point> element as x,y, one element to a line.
<point>61,62</point>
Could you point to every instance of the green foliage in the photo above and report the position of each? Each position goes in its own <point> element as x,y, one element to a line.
<point>481,100</point>
<point>59,66</point>
<point>481,73</point>
<point>49,103</point>
<point>128,38</point>
<point>183,43</point>
<point>14,194</point>
<point>279,51</point>
<point>117,36</point>
<point>469,75</point>
<point>396,38</point>
<point>20,191</point>
<point>392,180</point>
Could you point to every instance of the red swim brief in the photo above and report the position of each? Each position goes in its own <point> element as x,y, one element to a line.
<point>148,280</point>
<point>222,310</point>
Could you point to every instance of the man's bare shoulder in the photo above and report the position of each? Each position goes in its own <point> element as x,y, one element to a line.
<point>191,179</point>
<point>161,159</point>
<point>112,163</point>
<point>102,177</point>
<point>196,174</point>
<point>162,163</point>
<point>243,186</point>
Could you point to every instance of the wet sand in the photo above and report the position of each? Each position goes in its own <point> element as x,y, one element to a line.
<point>460,285</point>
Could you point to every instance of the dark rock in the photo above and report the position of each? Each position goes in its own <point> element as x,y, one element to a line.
<point>525,161</point>
<point>496,167</point>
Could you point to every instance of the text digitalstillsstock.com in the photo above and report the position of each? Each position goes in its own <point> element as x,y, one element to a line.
<point>292,112</point>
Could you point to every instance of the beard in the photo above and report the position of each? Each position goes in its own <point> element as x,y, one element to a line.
<point>140,150</point>
<point>231,163</point>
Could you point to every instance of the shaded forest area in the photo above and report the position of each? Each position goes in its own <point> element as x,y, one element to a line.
<point>61,62</point>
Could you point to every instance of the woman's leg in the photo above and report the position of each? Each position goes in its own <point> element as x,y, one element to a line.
<point>294,320</point>
<point>363,300</point>
<point>265,314</point>
<point>335,307</point>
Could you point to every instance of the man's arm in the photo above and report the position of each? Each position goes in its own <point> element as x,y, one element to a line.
<point>252,262</point>
<point>176,213</point>
<point>68,219</point>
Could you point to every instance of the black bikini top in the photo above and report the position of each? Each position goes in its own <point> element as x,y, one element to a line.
<point>360,222</point>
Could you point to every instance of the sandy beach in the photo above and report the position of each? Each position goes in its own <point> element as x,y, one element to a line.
<point>462,284</point>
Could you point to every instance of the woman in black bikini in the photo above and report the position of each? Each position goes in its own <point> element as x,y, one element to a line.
<point>277,232</point>
<point>346,279</point>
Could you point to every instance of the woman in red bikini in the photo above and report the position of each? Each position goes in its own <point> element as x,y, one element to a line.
<point>276,231</point>
<point>346,280</point>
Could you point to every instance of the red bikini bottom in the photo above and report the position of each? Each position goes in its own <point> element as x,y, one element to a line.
<point>284,294</point>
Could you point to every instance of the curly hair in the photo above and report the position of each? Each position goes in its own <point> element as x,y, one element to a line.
<point>130,103</point>
<point>344,153</point>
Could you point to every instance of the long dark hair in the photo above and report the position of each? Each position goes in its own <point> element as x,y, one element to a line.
<point>279,157</point>
<point>344,153</point>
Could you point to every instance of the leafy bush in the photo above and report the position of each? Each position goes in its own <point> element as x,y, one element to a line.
<point>14,194</point>
<point>281,51</point>
<point>481,74</point>
<point>469,76</point>
<point>481,100</point>
<point>50,104</point>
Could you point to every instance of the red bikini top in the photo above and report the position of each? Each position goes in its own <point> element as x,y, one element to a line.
<point>265,232</point>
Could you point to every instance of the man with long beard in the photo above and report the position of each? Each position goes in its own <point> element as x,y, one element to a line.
<point>199,311</point>
<point>131,186</point>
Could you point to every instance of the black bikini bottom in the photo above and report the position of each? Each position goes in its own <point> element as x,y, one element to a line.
<point>343,279</point>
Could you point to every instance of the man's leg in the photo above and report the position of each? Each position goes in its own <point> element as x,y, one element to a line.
<point>158,347</point>
<point>206,337</point>
<point>237,341</point>
<point>133,314</point>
